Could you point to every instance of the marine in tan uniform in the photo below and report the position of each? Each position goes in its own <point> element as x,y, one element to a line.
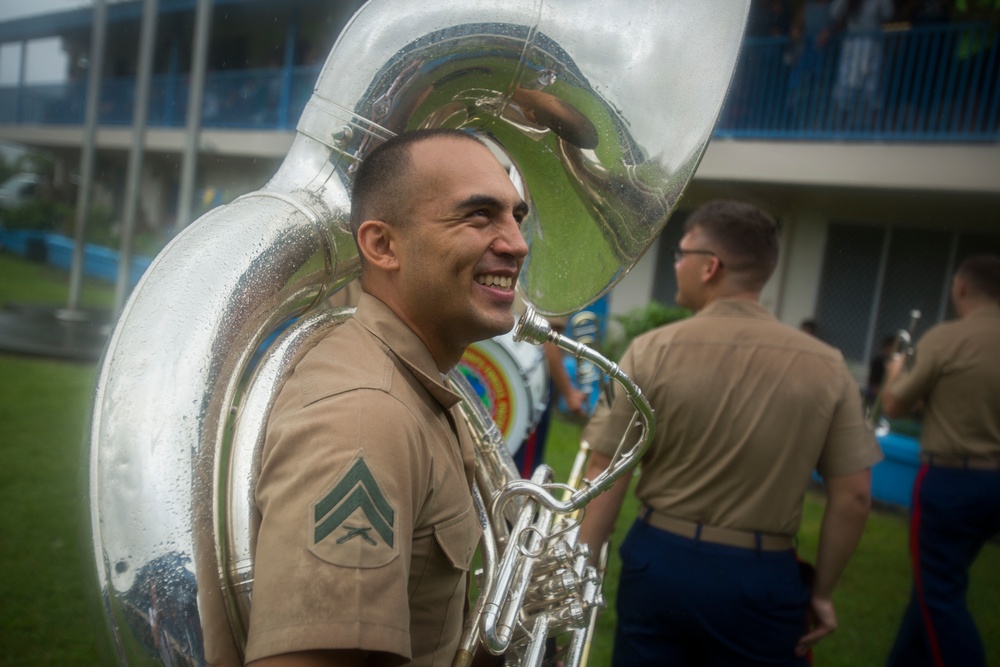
<point>746,408</point>
<point>956,497</point>
<point>367,527</point>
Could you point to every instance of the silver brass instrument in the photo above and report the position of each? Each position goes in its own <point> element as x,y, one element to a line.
<point>904,340</point>
<point>903,345</point>
<point>542,583</point>
<point>604,108</point>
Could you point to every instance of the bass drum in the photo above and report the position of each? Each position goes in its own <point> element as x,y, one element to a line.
<point>512,381</point>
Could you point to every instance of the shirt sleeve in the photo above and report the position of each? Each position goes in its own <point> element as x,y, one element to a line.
<point>916,383</point>
<point>850,445</point>
<point>337,493</point>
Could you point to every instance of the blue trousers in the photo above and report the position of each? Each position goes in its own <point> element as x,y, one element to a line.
<point>531,453</point>
<point>954,513</point>
<point>683,602</point>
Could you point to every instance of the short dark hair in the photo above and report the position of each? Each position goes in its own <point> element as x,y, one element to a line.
<point>380,182</point>
<point>982,274</point>
<point>745,236</point>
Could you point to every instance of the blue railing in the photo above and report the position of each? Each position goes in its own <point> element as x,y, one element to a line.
<point>260,98</point>
<point>922,84</point>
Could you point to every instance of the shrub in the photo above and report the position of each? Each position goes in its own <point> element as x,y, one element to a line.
<point>40,214</point>
<point>640,320</point>
<point>104,229</point>
<point>101,227</point>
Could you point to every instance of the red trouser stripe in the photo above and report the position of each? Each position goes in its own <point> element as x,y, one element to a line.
<point>932,637</point>
<point>528,463</point>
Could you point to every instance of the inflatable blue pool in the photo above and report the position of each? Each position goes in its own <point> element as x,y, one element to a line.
<point>892,478</point>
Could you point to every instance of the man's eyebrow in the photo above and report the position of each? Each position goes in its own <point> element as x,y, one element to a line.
<point>477,201</point>
<point>488,201</point>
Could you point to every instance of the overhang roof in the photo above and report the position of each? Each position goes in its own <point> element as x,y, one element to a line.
<point>58,23</point>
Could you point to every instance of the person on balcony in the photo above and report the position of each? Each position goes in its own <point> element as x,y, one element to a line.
<point>807,56</point>
<point>855,91</point>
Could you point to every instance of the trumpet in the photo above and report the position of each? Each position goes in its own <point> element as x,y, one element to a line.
<point>536,580</point>
<point>903,345</point>
<point>904,340</point>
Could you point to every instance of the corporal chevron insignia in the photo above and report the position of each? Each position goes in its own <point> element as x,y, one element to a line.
<point>357,514</point>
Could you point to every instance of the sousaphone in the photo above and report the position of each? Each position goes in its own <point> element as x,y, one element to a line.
<point>604,108</point>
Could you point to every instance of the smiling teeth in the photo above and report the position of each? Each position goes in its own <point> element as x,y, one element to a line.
<point>495,281</point>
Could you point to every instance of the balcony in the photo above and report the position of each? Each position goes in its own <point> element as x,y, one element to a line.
<point>938,84</point>
<point>929,84</point>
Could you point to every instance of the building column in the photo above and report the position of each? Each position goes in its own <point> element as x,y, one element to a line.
<point>170,95</point>
<point>291,35</point>
<point>795,285</point>
<point>19,89</point>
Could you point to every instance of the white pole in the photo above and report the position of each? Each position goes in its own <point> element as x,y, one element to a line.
<point>140,112</point>
<point>95,66</point>
<point>199,58</point>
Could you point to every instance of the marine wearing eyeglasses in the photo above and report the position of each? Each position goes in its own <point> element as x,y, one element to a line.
<point>679,254</point>
<point>746,408</point>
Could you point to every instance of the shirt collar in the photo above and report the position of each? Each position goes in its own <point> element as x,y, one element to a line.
<point>985,312</point>
<point>385,325</point>
<point>736,308</point>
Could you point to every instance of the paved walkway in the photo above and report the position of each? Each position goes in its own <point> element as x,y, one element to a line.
<point>51,332</point>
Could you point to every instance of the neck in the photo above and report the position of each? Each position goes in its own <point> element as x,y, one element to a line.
<point>445,357</point>
<point>970,305</point>
<point>445,360</point>
<point>733,292</point>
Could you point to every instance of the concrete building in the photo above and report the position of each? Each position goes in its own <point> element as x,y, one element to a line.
<point>883,175</point>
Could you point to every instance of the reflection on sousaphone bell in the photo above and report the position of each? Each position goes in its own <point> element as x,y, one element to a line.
<point>557,115</point>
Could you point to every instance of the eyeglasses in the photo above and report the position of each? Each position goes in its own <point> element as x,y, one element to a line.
<point>680,252</point>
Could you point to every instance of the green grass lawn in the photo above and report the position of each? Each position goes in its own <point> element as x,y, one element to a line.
<point>47,614</point>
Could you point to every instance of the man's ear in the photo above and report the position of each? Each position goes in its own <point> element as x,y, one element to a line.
<point>377,242</point>
<point>711,270</point>
<point>960,288</point>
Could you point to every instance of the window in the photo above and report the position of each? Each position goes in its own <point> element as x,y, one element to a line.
<point>874,277</point>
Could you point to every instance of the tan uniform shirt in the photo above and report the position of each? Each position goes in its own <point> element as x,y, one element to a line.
<point>746,408</point>
<point>957,373</point>
<point>347,296</point>
<point>367,527</point>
